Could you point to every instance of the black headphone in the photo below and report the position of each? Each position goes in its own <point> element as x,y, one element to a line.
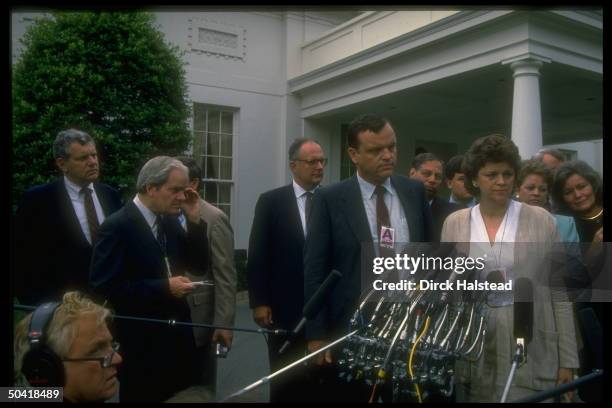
<point>41,366</point>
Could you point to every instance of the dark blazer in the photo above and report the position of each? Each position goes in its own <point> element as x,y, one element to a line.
<point>128,269</point>
<point>51,252</point>
<point>338,228</point>
<point>275,267</point>
<point>440,209</point>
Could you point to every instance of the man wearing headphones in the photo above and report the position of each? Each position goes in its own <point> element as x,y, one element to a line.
<point>68,344</point>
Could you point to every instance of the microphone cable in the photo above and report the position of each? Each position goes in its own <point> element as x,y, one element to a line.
<point>179,323</point>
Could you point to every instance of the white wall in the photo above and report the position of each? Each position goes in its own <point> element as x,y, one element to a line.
<point>590,152</point>
<point>251,78</point>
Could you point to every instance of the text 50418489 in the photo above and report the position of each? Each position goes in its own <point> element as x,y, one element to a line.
<point>42,394</point>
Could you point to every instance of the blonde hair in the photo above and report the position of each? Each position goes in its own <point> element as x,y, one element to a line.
<point>62,329</point>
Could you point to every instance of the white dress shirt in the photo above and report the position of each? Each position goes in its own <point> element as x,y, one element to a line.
<point>300,197</point>
<point>500,255</point>
<point>397,217</point>
<point>148,215</point>
<point>77,198</point>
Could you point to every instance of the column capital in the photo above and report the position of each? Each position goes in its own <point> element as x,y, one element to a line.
<point>526,64</point>
<point>526,67</point>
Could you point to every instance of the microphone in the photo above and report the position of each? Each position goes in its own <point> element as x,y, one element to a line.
<point>496,276</point>
<point>523,325</point>
<point>313,306</point>
<point>523,310</point>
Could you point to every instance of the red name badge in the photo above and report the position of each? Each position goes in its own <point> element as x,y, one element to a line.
<point>387,237</point>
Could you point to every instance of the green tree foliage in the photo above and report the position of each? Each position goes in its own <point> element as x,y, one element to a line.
<point>108,73</point>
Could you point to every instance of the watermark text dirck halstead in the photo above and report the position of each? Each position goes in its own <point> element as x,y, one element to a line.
<point>469,285</point>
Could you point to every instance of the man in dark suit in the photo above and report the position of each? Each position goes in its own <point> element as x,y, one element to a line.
<point>138,264</point>
<point>428,169</point>
<point>275,267</point>
<point>56,223</point>
<point>347,223</point>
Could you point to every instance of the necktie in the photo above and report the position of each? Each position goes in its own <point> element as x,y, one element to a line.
<point>308,211</point>
<point>382,213</point>
<point>161,236</point>
<point>90,213</point>
<point>161,239</point>
<point>382,219</point>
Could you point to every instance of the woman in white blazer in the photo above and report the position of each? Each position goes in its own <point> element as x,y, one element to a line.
<point>492,228</point>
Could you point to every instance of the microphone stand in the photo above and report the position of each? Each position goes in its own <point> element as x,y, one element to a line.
<point>267,378</point>
<point>518,357</point>
<point>561,389</point>
<point>175,323</point>
<point>312,307</point>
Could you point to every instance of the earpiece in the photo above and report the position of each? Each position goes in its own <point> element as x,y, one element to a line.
<point>41,366</point>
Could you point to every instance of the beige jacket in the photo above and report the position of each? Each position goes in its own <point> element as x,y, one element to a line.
<point>215,304</point>
<point>554,340</point>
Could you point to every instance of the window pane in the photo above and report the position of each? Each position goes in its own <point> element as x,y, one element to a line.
<point>212,148</point>
<point>227,119</point>
<point>224,193</point>
<point>198,139</point>
<point>201,161</point>
<point>211,193</point>
<point>199,117</point>
<point>226,145</point>
<point>226,169</point>
<point>226,210</point>
<point>212,167</point>
<point>213,120</point>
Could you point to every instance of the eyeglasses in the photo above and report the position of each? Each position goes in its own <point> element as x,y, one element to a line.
<point>105,361</point>
<point>313,161</point>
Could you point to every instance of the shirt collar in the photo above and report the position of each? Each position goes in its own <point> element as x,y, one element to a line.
<point>148,215</point>
<point>470,204</point>
<point>368,188</point>
<point>299,190</point>
<point>74,189</point>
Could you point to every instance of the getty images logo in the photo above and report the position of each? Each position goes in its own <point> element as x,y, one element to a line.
<point>413,264</point>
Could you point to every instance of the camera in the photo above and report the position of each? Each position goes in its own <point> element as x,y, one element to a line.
<point>221,350</point>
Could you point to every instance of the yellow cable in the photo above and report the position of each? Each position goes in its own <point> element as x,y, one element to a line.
<point>416,386</point>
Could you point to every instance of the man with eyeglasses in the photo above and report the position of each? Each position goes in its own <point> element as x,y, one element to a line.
<point>429,169</point>
<point>78,335</point>
<point>275,268</point>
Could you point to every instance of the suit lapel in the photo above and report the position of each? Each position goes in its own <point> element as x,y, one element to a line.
<point>68,213</point>
<point>355,211</point>
<point>414,226</point>
<point>102,197</point>
<point>144,236</point>
<point>293,216</point>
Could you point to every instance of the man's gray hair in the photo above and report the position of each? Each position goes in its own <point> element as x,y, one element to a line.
<point>556,153</point>
<point>155,172</point>
<point>67,137</point>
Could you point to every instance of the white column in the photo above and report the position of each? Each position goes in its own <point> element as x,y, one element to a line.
<point>526,112</point>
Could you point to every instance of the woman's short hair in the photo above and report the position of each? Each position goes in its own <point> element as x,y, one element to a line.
<point>495,148</point>
<point>534,166</point>
<point>568,169</point>
<point>62,329</point>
